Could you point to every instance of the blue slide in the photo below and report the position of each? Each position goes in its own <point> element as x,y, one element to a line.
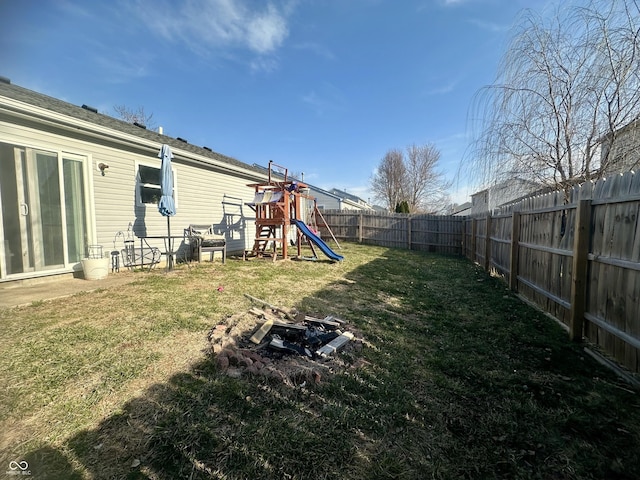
<point>318,241</point>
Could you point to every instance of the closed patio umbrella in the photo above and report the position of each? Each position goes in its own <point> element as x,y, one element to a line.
<point>167,204</point>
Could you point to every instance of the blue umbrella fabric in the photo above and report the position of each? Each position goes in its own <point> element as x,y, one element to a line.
<point>167,205</point>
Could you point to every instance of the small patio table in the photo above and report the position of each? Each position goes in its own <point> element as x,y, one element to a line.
<point>169,247</point>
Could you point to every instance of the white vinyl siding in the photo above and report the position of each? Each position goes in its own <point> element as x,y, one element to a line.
<point>112,198</point>
<point>329,202</point>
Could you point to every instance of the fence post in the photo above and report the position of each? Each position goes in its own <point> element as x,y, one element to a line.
<point>580,262</point>
<point>487,243</point>
<point>474,230</point>
<point>464,236</point>
<point>360,228</point>
<point>515,251</point>
<point>409,231</point>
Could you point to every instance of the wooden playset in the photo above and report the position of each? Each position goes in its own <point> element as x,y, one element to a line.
<point>281,205</point>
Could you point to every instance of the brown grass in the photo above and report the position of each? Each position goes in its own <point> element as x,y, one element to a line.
<point>457,379</point>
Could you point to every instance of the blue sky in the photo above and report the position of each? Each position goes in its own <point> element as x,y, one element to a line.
<point>324,87</point>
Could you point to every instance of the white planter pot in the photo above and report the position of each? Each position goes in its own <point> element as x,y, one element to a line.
<point>95,268</point>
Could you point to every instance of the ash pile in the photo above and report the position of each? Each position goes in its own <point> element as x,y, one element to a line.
<point>286,345</point>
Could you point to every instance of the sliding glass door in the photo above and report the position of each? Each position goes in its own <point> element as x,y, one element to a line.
<point>43,200</point>
<point>75,202</point>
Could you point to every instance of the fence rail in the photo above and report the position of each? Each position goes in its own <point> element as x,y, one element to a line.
<point>577,258</point>
<point>432,233</point>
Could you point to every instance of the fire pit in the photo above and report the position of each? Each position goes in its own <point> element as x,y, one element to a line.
<point>287,345</point>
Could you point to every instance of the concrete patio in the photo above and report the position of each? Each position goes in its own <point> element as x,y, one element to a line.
<point>25,292</point>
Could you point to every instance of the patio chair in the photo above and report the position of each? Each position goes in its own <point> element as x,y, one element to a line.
<point>201,240</point>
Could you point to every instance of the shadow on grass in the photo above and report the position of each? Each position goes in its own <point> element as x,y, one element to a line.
<point>46,462</point>
<point>462,381</point>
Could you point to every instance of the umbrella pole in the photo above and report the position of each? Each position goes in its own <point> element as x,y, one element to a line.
<point>169,245</point>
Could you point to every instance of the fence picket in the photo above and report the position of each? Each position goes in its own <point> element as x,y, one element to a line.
<point>544,250</point>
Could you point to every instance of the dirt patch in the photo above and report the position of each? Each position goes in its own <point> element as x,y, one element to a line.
<point>292,347</point>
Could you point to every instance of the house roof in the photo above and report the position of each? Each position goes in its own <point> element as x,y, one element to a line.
<point>91,116</point>
<point>462,208</point>
<point>348,196</point>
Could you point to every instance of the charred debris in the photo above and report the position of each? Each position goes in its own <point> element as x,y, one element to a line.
<point>285,344</point>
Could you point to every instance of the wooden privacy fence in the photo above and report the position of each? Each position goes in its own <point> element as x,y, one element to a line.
<point>432,233</point>
<point>578,259</point>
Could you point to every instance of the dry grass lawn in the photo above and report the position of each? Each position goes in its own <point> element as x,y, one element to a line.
<point>458,379</point>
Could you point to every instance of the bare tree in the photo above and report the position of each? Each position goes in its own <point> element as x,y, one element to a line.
<point>138,116</point>
<point>424,185</point>
<point>387,182</point>
<point>413,178</point>
<point>566,87</point>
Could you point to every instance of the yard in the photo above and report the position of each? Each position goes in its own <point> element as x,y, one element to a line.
<point>456,379</point>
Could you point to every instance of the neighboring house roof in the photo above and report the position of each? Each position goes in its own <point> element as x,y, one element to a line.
<point>349,199</point>
<point>463,209</point>
<point>347,196</point>
<point>334,192</point>
<point>89,115</point>
<point>324,192</point>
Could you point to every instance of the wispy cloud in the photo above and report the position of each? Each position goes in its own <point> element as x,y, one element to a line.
<point>319,104</point>
<point>223,28</point>
<point>210,25</point>
<point>442,89</point>
<point>489,26</point>
<point>122,66</point>
<point>326,99</point>
<point>263,64</point>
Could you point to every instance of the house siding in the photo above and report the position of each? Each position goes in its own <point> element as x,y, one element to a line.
<point>350,206</point>
<point>328,202</point>
<point>501,194</point>
<point>624,152</point>
<point>200,191</point>
<point>206,196</point>
<point>201,185</point>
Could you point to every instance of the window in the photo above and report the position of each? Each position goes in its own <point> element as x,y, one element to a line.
<point>148,185</point>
